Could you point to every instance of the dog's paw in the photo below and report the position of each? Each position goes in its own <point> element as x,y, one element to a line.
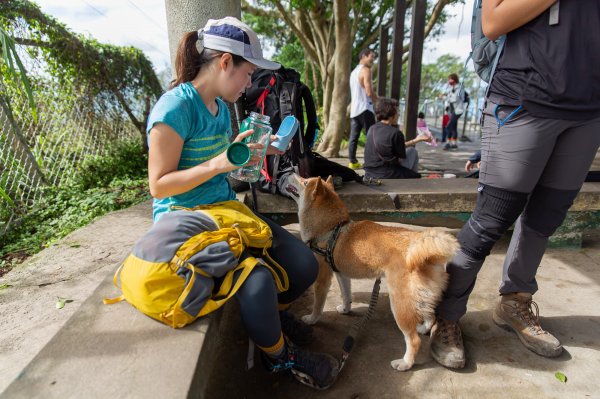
<point>344,309</point>
<point>310,319</point>
<point>400,365</point>
<point>425,327</point>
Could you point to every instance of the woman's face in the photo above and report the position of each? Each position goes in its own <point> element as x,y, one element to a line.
<point>235,79</point>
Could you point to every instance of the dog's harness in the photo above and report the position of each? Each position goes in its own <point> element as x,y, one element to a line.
<point>327,252</point>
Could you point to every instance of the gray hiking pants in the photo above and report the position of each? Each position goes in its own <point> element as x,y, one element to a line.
<point>531,169</point>
<point>412,159</point>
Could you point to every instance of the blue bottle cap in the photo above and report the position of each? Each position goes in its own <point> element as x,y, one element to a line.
<point>286,132</point>
<point>238,154</point>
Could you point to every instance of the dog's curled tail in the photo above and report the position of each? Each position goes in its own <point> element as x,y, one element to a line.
<point>430,247</point>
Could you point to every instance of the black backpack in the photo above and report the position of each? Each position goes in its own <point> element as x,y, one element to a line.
<point>278,94</point>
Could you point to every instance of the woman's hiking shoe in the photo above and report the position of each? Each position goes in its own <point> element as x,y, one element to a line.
<point>295,329</point>
<point>447,344</point>
<point>514,313</point>
<point>315,369</point>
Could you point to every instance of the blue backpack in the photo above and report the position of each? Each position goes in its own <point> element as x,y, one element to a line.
<point>484,52</point>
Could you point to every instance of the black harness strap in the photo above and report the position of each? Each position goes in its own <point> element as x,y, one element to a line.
<point>327,252</point>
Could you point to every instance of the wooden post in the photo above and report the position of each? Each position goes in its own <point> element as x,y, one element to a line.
<point>382,66</point>
<point>417,35</point>
<point>399,14</point>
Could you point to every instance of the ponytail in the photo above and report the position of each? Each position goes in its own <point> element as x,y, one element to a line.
<point>188,61</point>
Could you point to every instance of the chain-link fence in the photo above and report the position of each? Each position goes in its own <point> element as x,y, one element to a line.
<point>48,151</point>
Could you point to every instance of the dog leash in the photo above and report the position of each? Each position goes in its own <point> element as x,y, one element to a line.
<point>358,325</point>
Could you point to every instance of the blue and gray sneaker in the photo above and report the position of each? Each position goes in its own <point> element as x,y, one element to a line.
<point>315,369</point>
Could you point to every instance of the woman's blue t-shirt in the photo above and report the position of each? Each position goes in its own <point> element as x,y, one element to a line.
<point>204,137</point>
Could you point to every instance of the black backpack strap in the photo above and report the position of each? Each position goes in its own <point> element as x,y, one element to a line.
<point>312,124</point>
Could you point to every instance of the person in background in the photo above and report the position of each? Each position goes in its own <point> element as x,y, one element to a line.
<point>362,115</point>
<point>387,155</point>
<point>474,162</point>
<point>423,130</point>
<point>455,97</point>
<point>541,132</point>
<point>445,121</point>
<point>189,130</point>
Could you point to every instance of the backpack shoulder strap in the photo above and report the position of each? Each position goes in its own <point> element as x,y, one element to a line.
<point>501,42</point>
<point>312,124</point>
<point>287,99</point>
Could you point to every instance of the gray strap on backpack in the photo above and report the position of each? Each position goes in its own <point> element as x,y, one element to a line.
<point>501,42</point>
<point>553,20</point>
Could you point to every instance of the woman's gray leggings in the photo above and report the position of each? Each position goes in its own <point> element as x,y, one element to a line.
<point>531,171</point>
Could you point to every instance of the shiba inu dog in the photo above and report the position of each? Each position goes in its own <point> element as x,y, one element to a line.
<point>412,262</point>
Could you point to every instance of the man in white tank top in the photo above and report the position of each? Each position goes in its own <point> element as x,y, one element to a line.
<point>362,113</point>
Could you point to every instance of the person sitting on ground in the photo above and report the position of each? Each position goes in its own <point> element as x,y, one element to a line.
<point>387,155</point>
<point>423,130</point>
<point>189,130</point>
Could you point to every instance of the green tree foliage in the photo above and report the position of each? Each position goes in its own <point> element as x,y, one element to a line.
<point>434,76</point>
<point>112,76</point>
<point>312,24</point>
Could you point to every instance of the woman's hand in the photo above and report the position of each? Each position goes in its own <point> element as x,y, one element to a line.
<point>273,150</point>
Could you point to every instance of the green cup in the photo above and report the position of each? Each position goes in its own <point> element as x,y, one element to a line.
<point>238,154</point>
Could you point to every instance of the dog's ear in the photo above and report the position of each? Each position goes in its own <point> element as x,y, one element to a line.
<point>329,181</point>
<point>318,187</point>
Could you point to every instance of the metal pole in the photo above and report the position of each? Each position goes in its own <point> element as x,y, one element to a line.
<point>417,35</point>
<point>399,14</point>
<point>382,67</point>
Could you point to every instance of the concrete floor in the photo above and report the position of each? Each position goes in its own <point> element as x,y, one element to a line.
<point>498,365</point>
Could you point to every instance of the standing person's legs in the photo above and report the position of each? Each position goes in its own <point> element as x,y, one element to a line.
<point>369,120</point>
<point>356,125</point>
<point>513,159</point>
<point>451,128</point>
<point>558,186</point>
<point>548,204</point>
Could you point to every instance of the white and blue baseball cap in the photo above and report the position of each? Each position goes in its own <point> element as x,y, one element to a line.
<point>231,35</point>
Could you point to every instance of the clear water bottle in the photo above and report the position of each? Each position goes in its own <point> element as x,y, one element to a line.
<point>261,135</point>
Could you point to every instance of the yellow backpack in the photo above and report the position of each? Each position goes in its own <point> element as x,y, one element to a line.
<point>171,273</point>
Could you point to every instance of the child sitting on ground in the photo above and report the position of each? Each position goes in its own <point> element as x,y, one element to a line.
<point>423,130</point>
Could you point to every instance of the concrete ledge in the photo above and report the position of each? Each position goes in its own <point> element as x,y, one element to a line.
<point>116,351</point>
<point>435,202</point>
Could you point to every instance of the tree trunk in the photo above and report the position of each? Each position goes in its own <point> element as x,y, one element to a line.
<point>337,122</point>
<point>327,98</point>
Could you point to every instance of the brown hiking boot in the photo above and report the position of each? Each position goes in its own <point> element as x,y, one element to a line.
<point>514,313</point>
<point>447,345</point>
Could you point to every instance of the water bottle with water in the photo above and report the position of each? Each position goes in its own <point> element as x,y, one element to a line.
<point>262,135</point>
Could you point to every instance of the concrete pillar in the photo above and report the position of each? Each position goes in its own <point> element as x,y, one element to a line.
<point>188,15</point>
